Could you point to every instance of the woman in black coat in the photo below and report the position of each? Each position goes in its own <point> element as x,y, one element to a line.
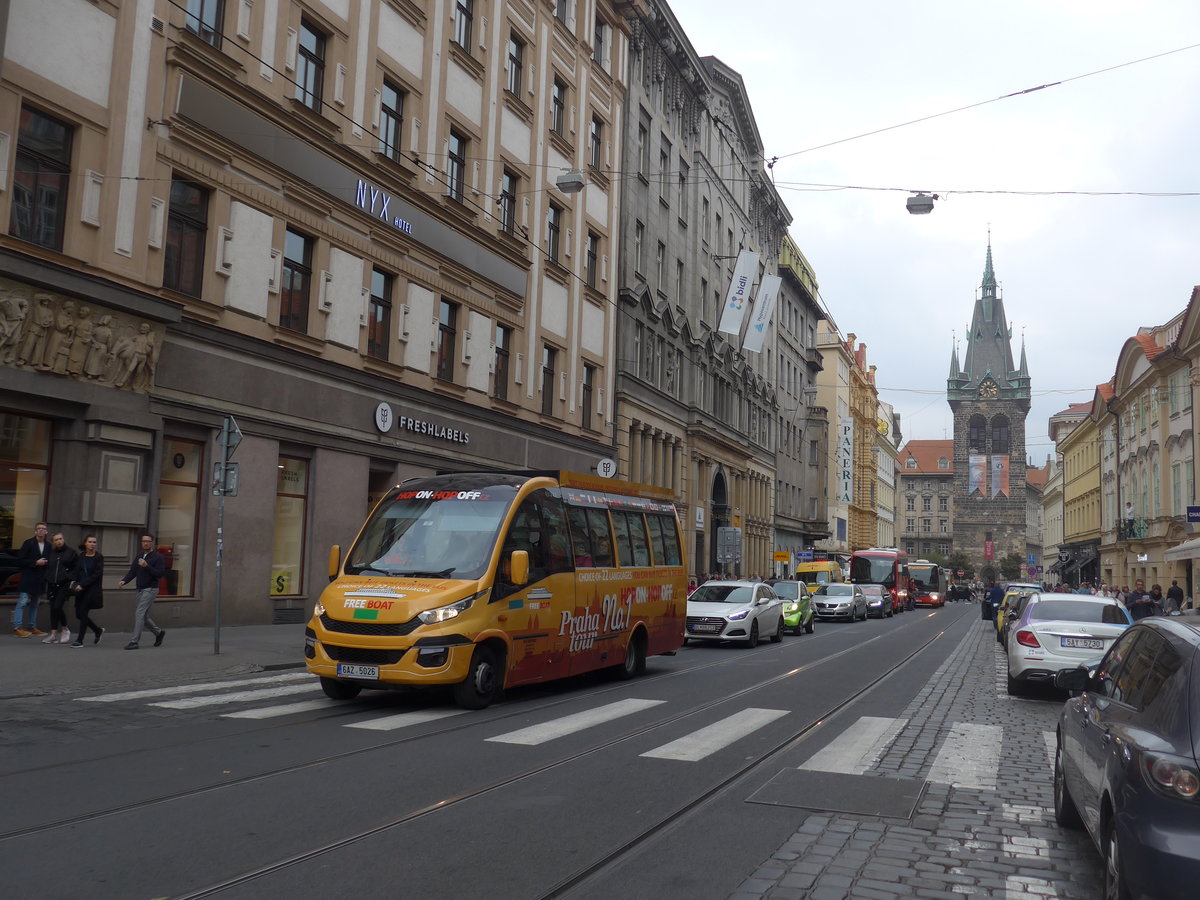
<point>88,588</point>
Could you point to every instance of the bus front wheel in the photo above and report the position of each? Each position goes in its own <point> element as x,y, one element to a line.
<point>482,684</point>
<point>339,690</point>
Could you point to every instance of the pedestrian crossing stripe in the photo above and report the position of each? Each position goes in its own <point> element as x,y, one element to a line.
<point>235,697</point>
<point>707,741</point>
<point>557,728</point>
<point>195,688</point>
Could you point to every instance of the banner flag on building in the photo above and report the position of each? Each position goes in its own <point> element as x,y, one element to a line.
<point>845,460</point>
<point>976,473</point>
<point>738,292</point>
<point>1000,475</point>
<point>764,308</point>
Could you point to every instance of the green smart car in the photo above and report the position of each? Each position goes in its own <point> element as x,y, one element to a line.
<point>797,607</point>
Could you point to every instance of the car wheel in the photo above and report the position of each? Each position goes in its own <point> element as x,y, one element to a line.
<point>1114,879</point>
<point>1066,814</point>
<point>810,624</point>
<point>339,690</point>
<point>890,612</point>
<point>778,635</point>
<point>634,663</point>
<point>1015,688</point>
<point>482,684</point>
<point>753,640</point>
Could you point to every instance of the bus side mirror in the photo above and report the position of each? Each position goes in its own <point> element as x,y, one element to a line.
<point>519,567</point>
<point>335,560</point>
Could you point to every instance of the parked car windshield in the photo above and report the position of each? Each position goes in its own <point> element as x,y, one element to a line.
<point>722,593</point>
<point>788,590</point>
<point>1077,611</point>
<point>830,590</point>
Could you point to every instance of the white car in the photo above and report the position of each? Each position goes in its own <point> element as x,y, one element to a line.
<point>734,611</point>
<point>840,601</point>
<point>1060,631</point>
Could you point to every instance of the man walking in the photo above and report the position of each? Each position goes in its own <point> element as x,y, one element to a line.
<point>1174,597</point>
<point>1138,601</point>
<point>32,560</point>
<point>148,567</point>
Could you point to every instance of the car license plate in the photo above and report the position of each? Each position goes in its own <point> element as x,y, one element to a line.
<point>705,629</point>
<point>1083,643</point>
<point>349,670</point>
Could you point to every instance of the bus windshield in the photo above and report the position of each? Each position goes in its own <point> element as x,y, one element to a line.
<point>443,527</point>
<point>926,577</point>
<point>873,570</point>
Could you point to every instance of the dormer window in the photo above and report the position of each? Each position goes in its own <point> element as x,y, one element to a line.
<point>943,463</point>
<point>910,463</point>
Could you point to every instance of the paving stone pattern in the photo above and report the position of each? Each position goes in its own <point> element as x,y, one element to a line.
<point>1000,844</point>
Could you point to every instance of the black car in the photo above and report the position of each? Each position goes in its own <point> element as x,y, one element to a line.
<point>1126,763</point>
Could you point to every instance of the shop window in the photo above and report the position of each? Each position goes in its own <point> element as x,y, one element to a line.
<point>41,169</point>
<point>24,476</point>
<point>179,513</point>
<point>291,500</point>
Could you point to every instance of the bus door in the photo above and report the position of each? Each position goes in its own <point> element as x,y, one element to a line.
<point>532,613</point>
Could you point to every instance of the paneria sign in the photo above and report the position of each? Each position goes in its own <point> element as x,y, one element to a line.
<point>375,201</point>
<point>386,420</point>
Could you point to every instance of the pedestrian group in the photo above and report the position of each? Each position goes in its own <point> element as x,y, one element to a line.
<point>49,567</point>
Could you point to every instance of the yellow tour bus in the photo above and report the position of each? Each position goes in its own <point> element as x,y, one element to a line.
<point>825,571</point>
<point>483,581</point>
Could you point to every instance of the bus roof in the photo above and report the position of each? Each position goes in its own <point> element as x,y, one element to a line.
<point>582,480</point>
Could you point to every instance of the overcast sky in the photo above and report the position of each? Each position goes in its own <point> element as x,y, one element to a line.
<point>1079,274</point>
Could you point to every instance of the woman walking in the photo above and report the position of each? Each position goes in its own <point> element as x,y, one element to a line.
<point>89,593</point>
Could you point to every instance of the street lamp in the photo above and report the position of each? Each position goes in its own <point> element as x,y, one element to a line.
<point>570,182</point>
<point>921,204</point>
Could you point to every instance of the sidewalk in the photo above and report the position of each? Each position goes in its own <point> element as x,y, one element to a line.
<point>30,668</point>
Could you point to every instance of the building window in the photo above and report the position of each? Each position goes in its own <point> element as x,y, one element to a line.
<point>927,525</point>
<point>549,356</point>
<point>560,10</point>
<point>943,463</point>
<point>463,14</point>
<point>287,552</point>
<point>379,315</point>
<point>297,281</point>
<point>664,172</point>
<point>643,146</point>
<point>1000,434</point>
<point>24,476</point>
<point>943,504</point>
<point>910,524</point>
<point>516,53</point>
<point>926,504</point>
<point>204,20</point>
<point>660,261</point>
<point>558,106</point>
<point>944,549</point>
<point>179,512</point>
<point>589,379</point>
<point>503,345</point>
<point>508,202</point>
<point>391,120</point>
<point>975,434</point>
<point>447,332</point>
<point>41,171</point>
<point>683,197</point>
<point>595,136</point>
<point>600,41</point>
<point>187,229</point>
<point>639,239</point>
<point>592,262</point>
<point>456,167</point>
<point>943,526</point>
<point>553,227</point>
<point>910,504</point>
<point>310,66</point>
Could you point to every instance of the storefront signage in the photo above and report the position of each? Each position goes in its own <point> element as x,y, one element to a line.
<point>385,418</point>
<point>845,460</point>
<point>375,201</point>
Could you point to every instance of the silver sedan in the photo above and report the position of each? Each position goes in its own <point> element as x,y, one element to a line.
<point>840,601</point>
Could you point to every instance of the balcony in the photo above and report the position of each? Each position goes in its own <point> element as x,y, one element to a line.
<point>1132,529</point>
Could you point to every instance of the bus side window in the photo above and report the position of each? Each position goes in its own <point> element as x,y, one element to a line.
<point>621,530</point>
<point>670,540</point>
<point>555,540</point>
<point>602,555</point>
<point>540,528</point>
<point>581,539</point>
<point>654,523</point>
<point>638,538</point>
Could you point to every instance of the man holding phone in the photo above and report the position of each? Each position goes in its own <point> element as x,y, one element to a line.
<point>32,560</point>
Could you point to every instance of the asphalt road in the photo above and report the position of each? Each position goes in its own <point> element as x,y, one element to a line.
<point>585,788</point>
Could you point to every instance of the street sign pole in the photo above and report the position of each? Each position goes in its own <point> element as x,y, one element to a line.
<point>229,438</point>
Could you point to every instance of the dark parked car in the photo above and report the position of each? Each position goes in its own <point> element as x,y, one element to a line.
<point>1126,765</point>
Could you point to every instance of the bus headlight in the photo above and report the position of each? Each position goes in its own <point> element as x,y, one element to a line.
<point>935,596</point>
<point>446,613</point>
<point>318,609</point>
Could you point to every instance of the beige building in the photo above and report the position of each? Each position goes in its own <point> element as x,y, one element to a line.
<point>353,225</point>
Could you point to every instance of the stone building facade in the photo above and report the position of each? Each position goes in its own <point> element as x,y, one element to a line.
<point>990,400</point>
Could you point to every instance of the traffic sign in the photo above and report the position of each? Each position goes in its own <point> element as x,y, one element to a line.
<point>230,436</point>
<point>225,479</point>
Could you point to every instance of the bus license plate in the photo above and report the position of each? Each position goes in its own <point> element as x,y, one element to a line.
<point>348,670</point>
<point>1083,643</point>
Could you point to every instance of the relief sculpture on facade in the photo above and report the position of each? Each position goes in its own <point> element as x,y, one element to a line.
<point>49,333</point>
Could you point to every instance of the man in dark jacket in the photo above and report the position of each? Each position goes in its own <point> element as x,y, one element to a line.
<point>148,567</point>
<point>1138,601</point>
<point>31,559</point>
<point>60,572</point>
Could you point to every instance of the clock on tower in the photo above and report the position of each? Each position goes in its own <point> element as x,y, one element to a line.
<point>989,388</point>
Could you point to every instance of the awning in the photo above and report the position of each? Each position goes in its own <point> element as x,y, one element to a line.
<point>1186,550</point>
<point>1057,567</point>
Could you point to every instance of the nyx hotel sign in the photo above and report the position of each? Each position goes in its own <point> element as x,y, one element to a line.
<point>375,201</point>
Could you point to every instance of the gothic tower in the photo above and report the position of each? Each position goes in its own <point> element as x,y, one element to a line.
<point>990,400</point>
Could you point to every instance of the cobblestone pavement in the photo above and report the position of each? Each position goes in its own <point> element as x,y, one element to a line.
<point>1000,843</point>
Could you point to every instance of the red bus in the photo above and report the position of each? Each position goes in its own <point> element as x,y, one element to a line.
<point>885,566</point>
<point>928,583</point>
